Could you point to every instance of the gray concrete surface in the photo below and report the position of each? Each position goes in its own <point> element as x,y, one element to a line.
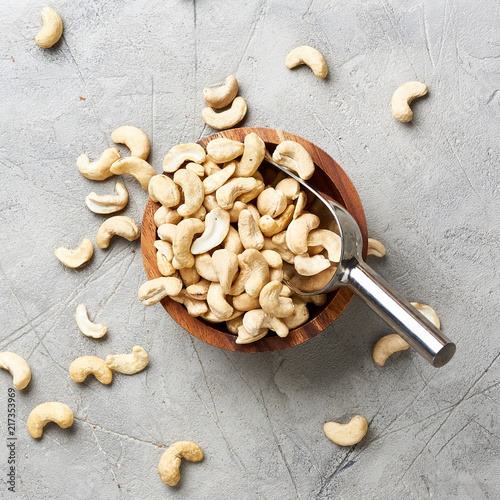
<point>430,192</point>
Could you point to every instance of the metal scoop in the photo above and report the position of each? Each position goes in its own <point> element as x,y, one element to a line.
<point>361,279</point>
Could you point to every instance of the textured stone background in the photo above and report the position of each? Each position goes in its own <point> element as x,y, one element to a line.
<point>430,192</point>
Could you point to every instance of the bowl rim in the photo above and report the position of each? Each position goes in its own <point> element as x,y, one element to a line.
<point>320,317</point>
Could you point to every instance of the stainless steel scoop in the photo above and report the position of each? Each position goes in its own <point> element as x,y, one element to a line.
<point>360,278</point>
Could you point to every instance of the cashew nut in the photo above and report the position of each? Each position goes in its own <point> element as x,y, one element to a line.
<point>100,169</point>
<point>275,263</point>
<point>226,119</point>
<point>227,194</point>
<point>270,226</point>
<point>210,166</point>
<point>300,205</point>
<point>170,461</point>
<point>218,179</point>
<point>249,232</point>
<point>53,411</point>
<point>225,265</point>
<point>217,224</point>
<point>94,330</point>
<point>186,229</point>
<point>167,232</point>
<point>134,138</point>
<point>192,189</point>
<point>181,153</point>
<point>166,215</point>
<point>233,324</point>
<point>290,187</point>
<point>128,363</point>
<point>278,244</point>
<point>199,214</point>
<point>272,202</point>
<point>298,231</point>
<point>77,257</point>
<point>222,96</point>
<point>108,204</point>
<point>255,320</point>
<point>428,312</point>
<point>253,155</point>
<point>310,56</point>
<point>317,300</point>
<point>203,264</point>
<point>136,167</point>
<point>299,316</point>
<point>196,168</point>
<point>347,434</point>
<point>403,97</point>
<point>246,338</point>
<point>199,290</point>
<point>155,290</point>
<point>194,307</point>
<point>252,194</point>
<point>244,302</point>
<point>232,241</point>
<point>294,157</point>
<point>310,266</point>
<point>216,300</point>
<point>254,266</point>
<point>387,345</point>
<point>189,276</point>
<point>222,150</point>
<point>163,189</point>
<point>18,368</point>
<point>83,366</point>
<point>271,302</point>
<point>164,259</point>
<point>119,225</point>
<point>52,28</point>
<point>375,248</point>
<point>329,240</point>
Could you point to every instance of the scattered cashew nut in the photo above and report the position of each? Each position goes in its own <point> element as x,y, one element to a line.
<point>134,138</point>
<point>100,169</point>
<point>75,258</point>
<point>226,119</point>
<point>128,363</point>
<point>119,225</point>
<point>170,461</point>
<point>53,411</point>
<point>18,368</point>
<point>375,248</point>
<point>402,98</point>
<point>108,204</point>
<point>222,96</point>
<point>347,434</point>
<point>310,56</point>
<point>83,366</point>
<point>94,330</point>
<point>52,28</point>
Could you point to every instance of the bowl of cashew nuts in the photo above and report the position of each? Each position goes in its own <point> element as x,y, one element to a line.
<point>218,226</point>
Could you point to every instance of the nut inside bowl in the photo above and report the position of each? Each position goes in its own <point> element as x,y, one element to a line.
<point>335,183</point>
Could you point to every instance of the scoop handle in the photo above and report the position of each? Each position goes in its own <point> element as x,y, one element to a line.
<point>396,311</point>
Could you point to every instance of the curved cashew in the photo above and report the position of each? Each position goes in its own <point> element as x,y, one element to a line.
<point>199,290</point>
<point>193,191</point>
<point>222,150</point>
<point>181,153</point>
<point>100,169</point>
<point>428,312</point>
<point>94,330</point>
<point>246,338</point>
<point>375,248</point>
<point>278,244</point>
<point>249,232</point>
<point>310,266</point>
<point>255,320</point>
<point>194,307</point>
<point>153,291</point>
<point>310,56</point>
<point>275,263</point>
<point>108,204</point>
<point>270,226</point>
<point>75,258</point>
<point>290,187</point>
<point>227,194</point>
<point>52,28</point>
<point>216,300</point>
<point>225,265</point>
<point>217,224</point>
<point>218,179</point>
<point>232,241</point>
<point>226,119</point>
<point>234,213</point>
<point>167,232</point>
<point>329,240</point>
<point>136,167</point>
<point>83,366</point>
<point>163,262</point>
<point>119,225</point>
<point>253,155</point>
<point>317,300</point>
<point>402,98</point>
<point>244,302</point>
<point>272,202</point>
<point>134,138</point>
<point>255,267</point>
<point>252,194</point>
<point>170,461</point>
<point>300,205</point>
<point>299,316</point>
<point>18,368</point>
<point>213,318</point>
<point>294,157</point>
<point>203,264</point>
<point>347,434</point>
<point>210,166</point>
<point>271,302</point>
<point>163,189</point>
<point>186,230</point>
<point>233,324</point>
<point>387,345</point>
<point>166,215</point>
<point>298,232</point>
<point>222,96</point>
<point>196,168</point>
<point>128,363</point>
<point>189,276</point>
<point>42,414</point>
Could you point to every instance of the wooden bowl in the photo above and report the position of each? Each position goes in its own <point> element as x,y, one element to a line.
<point>334,182</point>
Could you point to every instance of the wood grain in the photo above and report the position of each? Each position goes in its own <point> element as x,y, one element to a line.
<point>334,182</point>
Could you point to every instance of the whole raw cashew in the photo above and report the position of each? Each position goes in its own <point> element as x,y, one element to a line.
<point>244,302</point>
<point>218,179</point>
<point>222,96</point>
<point>166,215</point>
<point>227,194</point>
<point>222,150</point>
<point>194,307</point>
<point>189,276</point>
<point>254,266</point>
<point>428,312</point>
<point>163,262</point>
<point>52,28</point>
<point>153,291</point>
<point>119,225</point>
<point>128,363</point>
<point>246,338</point>
<point>270,226</point>
<point>290,187</point>
<point>83,366</point>
<point>310,266</point>
<point>203,264</point>
<point>300,205</point>
<point>226,119</point>
<point>252,194</point>
<point>375,248</point>
<point>136,167</point>
<point>225,265</point>
<point>216,300</point>
<point>181,153</point>
<point>210,166</point>
<point>75,258</point>
<point>329,240</point>
<point>196,168</point>
<point>300,314</point>
<point>255,320</point>
<point>278,244</point>
<point>134,138</point>
<point>108,203</point>
<point>294,157</point>
<point>199,290</point>
<point>272,303</point>
<point>310,56</point>
<point>18,368</point>
<point>233,325</point>
<point>217,223</point>
<point>163,189</point>
<point>167,232</point>
<point>94,330</point>
<point>100,169</point>
<point>275,263</point>
<point>298,233</point>
<point>170,461</point>
<point>193,191</point>
<point>186,230</point>
<point>347,434</point>
<point>402,98</point>
<point>53,411</point>
<point>249,232</point>
<point>272,202</point>
<point>387,345</point>
<point>232,241</point>
<point>253,155</point>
